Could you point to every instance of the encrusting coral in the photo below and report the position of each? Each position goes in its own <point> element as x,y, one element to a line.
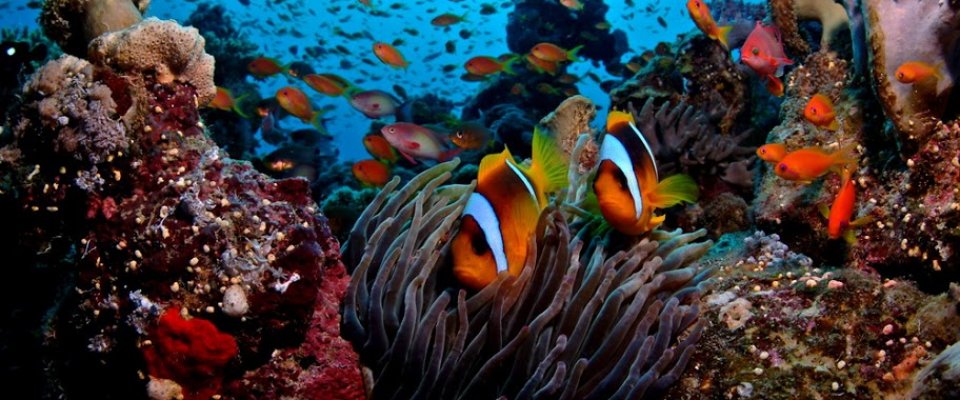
<point>74,23</point>
<point>577,323</point>
<point>571,119</point>
<point>787,14</point>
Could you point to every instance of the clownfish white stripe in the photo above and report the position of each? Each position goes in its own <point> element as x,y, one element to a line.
<point>526,182</point>
<point>482,211</point>
<point>612,149</point>
<point>653,160</point>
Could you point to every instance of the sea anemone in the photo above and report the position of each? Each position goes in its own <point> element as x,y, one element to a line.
<point>581,320</point>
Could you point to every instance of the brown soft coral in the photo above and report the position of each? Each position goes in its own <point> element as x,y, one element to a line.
<point>162,49</point>
<point>786,13</point>
<point>74,23</point>
<point>571,119</point>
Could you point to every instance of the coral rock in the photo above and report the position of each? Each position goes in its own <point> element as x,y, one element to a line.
<point>163,49</point>
<point>74,23</point>
<point>571,119</point>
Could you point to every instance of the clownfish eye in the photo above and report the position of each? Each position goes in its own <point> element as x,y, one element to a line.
<point>755,51</point>
<point>479,244</point>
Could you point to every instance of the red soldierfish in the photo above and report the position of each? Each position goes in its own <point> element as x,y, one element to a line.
<point>763,52</point>
<point>414,141</point>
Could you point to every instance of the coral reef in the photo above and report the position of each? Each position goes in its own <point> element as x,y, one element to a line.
<point>779,328</point>
<point>74,23</point>
<point>535,21</point>
<point>577,323</point>
<point>787,15</point>
<point>571,119</point>
<point>897,35</point>
<point>125,198</point>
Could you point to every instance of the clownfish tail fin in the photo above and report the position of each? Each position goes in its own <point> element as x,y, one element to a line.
<point>674,190</point>
<point>549,165</point>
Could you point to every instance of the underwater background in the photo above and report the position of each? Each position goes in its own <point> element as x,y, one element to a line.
<point>572,199</point>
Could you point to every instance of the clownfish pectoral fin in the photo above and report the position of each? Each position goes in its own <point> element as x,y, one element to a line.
<point>674,190</point>
<point>824,210</point>
<point>549,167</point>
<point>723,35</point>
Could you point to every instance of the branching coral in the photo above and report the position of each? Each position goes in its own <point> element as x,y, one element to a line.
<point>577,323</point>
<point>74,23</point>
<point>902,31</point>
<point>162,49</point>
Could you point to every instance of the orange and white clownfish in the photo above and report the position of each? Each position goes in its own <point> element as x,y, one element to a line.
<point>501,215</point>
<point>627,183</point>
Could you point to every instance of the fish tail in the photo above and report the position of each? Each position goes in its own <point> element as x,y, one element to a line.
<point>549,167</point>
<point>723,35</point>
<point>237,109</point>
<point>317,123</point>
<point>463,17</point>
<point>508,65</point>
<point>846,158</point>
<point>572,54</point>
<point>834,125</point>
<point>849,237</point>
<point>674,190</point>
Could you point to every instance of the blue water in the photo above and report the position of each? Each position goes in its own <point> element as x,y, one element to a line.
<point>313,21</point>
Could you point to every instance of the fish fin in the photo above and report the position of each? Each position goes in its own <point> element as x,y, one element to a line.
<point>491,162</point>
<point>408,157</point>
<point>774,86</point>
<point>463,17</point>
<point>449,154</point>
<point>849,237</point>
<point>723,35</point>
<point>845,158</point>
<point>572,54</point>
<point>824,210</point>
<point>864,220</point>
<point>834,125</point>
<point>779,72</point>
<point>507,67</point>
<point>674,190</point>
<point>549,167</point>
<point>317,122</point>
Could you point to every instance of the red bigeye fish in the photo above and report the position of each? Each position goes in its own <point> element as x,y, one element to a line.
<point>763,52</point>
<point>810,163</point>
<point>819,111</point>
<point>502,214</point>
<point>702,18</point>
<point>772,152</point>
<point>839,214</point>
<point>374,103</point>
<point>628,185</point>
<point>414,141</point>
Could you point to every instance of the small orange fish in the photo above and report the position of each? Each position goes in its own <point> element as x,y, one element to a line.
<point>839,214</point>
<point>448,19</point>
<point>280,165</point>
<point>295,102</point>
<point>328,84</point>
<point>917,71</point>
<point>542,66</point>
<point>811,163</point>
<point>553,53</point>
<point>702,18</point>
<point>379,148</point>
<point>575,5</point>
<point>371,173</point>
<point>485,65</point>
<point>224,101</point>
<point>389,55</point>
<point>772,152</point>
<point>774,85</point>
<point>262,67</point>
<point>819,111</point>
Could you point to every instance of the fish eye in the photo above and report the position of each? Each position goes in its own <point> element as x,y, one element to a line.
<point>755,51</point>
<point>392,130</point>
<point>763,150</point>
<point>813,110</point>
<point>479,244</point>
<point>783,167</point>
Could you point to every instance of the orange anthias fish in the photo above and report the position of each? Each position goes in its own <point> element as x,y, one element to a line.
<point>379,148</point>
<point>448,19</point>
<point>502,214</point>
<point>917,71</point>
<point>763,52</point>
<point>819,111</point>
<point>542,66</point>
<point>553,53</point>
<point>295,102</point>
<point>628,185</point>
<point>371,173</point>
<point>328,84</point>
<point>702,18</point>
<point>575,5</point>
<point>811,163</point>
<point>772,152</point>
<point>389,55</point>
<point>262,67</point>
<point>224,101</point>
<point>485,65</point>
<point>415,141</point>
<point>839,214</point>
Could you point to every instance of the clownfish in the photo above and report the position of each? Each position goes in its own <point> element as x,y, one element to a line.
<point>502,214</point>
<point>627,183</point>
